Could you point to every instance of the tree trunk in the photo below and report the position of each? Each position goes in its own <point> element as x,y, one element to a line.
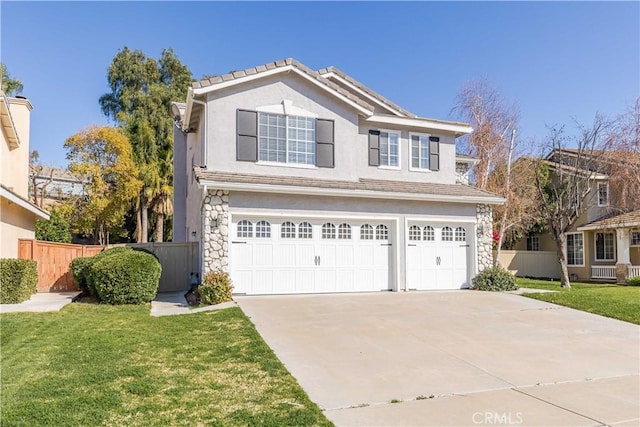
<point>562,258</point>
<point>145,219</point>
<point>138,235</point>
<point>507,204</point>
<point>159,227</point>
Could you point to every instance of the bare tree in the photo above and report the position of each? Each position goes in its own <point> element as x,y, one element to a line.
<point>494,121</point>
<point>38,188</point>
<point>564,182</point>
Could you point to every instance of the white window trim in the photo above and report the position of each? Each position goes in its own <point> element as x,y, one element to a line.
<point>631,239</point>
<point>399,133</point>
<point>286,140</point>
<point>418,169</point>
<point>584,252</point>
<point>598,194</point>
<point>595,248</point>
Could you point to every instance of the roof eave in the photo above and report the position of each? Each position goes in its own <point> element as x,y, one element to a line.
<point>25,204</point>
<point>291,189</point>
<point>457,129</point>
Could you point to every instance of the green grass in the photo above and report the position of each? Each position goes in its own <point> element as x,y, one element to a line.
<point>619,302</point>
<point>91,365</point>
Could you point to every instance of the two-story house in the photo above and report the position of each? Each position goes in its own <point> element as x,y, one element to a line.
<point>17,214</point>
<point>303,181</point>
<point>603,244</point>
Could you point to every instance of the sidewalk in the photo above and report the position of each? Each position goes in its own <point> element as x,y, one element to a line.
<point>40,302</point>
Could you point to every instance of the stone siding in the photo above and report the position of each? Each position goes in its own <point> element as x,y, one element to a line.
<point>462,173</point>
<point>215,236</point>
<point>484,217</point>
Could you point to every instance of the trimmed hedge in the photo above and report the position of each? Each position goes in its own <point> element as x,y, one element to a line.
<point>494,279</point>
<point>18,280</point>
<point>89,268</point>
<point>125,276</point>
<point>216,288</point>
<point>634,281</point>
<point>80,269</point>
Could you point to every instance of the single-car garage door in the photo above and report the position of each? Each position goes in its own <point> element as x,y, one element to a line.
<point>301,255</point>
<point>437,256</point>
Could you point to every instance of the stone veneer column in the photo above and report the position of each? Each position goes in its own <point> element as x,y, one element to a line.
<point>215,231</point>
<point>462,173</point>
<point>484,216</point>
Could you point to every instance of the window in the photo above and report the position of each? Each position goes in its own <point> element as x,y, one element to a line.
<point>635,238</point>
<point>344,232</point>
<point>447,234</point>
<point>366,232</point>
<point>603,194</point>
<point>429,234</point>
<point>305,230</point>
<point>244,229</point>
<point>288,230</point>
<point>461,235</point>
<point>533,243</point>
<point>382,232</point>
<point>263,229</point>
<point>328,231</point>
<point>389,149</point>
<point>605,250</point>
<point>415,233</point>
<point>575,249</point>
<point>420,152</point>
<point>286,139</point>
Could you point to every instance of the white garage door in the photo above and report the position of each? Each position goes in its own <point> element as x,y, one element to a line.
<point>437,256</point>
<point>301,255</point>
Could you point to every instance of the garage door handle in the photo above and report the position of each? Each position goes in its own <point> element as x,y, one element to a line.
<point>243,243</point>
<point>386,244</point>
<point>464,246</point>
<point>412,244</point>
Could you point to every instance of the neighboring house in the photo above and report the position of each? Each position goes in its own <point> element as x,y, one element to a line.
<point>302,181</point>
<point>49,186</point>
<point>603,244</point>
<point>17,214</point>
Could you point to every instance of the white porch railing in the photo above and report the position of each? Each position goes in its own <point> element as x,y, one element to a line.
<point>603,272</point>
<point>634,271</point>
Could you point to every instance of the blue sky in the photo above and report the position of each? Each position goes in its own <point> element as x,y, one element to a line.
<point>559,61</point>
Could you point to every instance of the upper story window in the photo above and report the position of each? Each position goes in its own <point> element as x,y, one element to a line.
<point>389,149</point>
<point>286,139</point>
<point>420,152</point>
<point>533,243</point>
<point>603,194</point>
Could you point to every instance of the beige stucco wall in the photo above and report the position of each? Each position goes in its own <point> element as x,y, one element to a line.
<point>15,223</point>
<point>14,162</point>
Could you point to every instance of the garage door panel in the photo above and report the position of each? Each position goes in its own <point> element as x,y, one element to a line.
<point>263,281</point>
<point>263,255</point>
<point>345,255</point>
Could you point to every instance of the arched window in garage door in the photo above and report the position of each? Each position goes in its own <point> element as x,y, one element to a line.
<point>382,232</point>
<point>288,230</point>
<point>447,234</point>
<point>461,235</point>
<point>244,229</point>
<point>305,230</point>
<point>366,232</point>
<point>263,229</point>
<point>415,233</point>
<point>429,234</point>
<point>328,231</point>
<point>344,232</point>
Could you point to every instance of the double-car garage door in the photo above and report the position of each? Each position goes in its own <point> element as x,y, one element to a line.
<point>302,255</point>
<point>305,255</point>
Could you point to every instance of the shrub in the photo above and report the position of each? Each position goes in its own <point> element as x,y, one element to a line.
<point>634,281</point>
<point>88,272</point>
<point>494,279</point>
<point>126,277</point>
<point>18,280</point>
<point>216,288</point>
<point>80,269</point>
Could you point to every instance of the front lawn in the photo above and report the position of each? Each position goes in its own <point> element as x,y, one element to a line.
<point>619,302</point>
<point>116,365</point>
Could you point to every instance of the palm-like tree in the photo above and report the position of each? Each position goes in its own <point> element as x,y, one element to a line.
<point>162,204</point>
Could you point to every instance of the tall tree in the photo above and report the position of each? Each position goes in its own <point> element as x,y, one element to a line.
<point>56,229</point>
<point>140,103</point>
<point>104,156</point>
<point>565,181</point>
<point>10,86</point>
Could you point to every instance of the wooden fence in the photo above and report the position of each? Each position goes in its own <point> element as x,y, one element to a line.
<point>178,260</point>
<point>531,263</point>
<point>54,274</point>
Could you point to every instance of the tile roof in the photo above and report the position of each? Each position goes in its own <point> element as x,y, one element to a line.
<point>384,186</point>
<point>214,80</point>
<point>59,174</point>
<point>629,219</point>
<point>365,89</point>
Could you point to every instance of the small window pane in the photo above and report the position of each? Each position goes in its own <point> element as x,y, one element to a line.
<point>328,231</point>
<point>429,233</point>
<point>575,249</point>
<point>288,230</point>
<point>635,238</point>
<point>366,232</point>
<point>263,229</point>
<point>447,234</point>
<point>382,232</point>
<point>415,233</point>
<point>305,231</point>
<point>245,229</point>
<point>344,232</point>
<point>461,234</point>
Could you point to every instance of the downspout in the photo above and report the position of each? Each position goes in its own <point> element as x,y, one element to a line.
<point>202,227</point>
<point>205,136</point>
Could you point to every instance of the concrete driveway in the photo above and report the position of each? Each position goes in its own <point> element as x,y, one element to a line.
<point>454,358</point>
